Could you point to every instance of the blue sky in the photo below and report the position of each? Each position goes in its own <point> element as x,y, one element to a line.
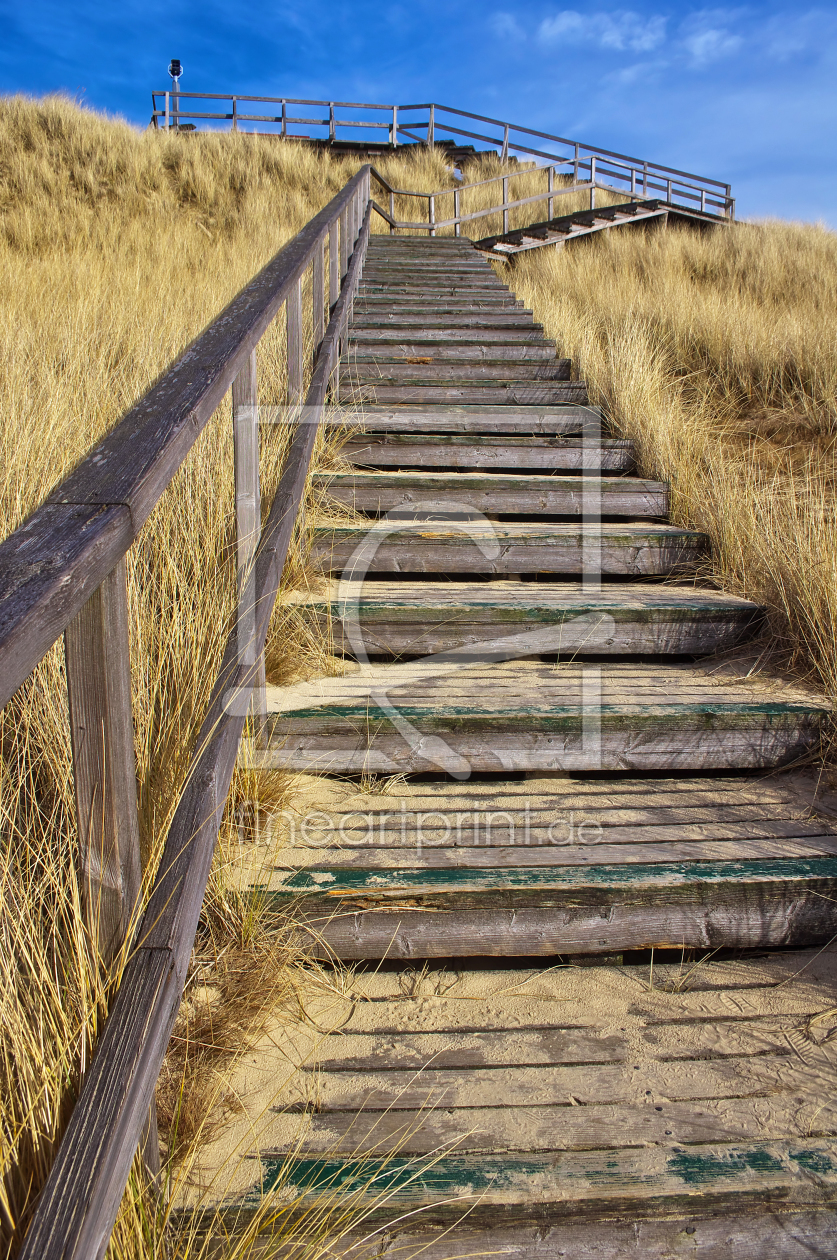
<point>744,93</point>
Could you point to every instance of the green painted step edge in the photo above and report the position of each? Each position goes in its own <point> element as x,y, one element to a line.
<point>432,1178</point>
<point>334,882</point>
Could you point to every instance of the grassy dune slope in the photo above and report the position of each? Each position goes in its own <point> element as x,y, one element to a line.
<point>718,354</point>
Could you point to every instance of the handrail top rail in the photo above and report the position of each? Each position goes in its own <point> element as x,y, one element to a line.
<point>271,100</point>
<point>54,560</point>
<point>494,179</point>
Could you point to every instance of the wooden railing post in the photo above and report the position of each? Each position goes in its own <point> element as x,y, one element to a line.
<point>633,182</point>
<point>97,654</point>
<point>550,187</point>
<point>592,183</point>
<point>505,203</point>
<point>284,118</point>
<point>333,266</point>
<point>575,166</point>
<point>331,120</point>
<point>668,190</point>
<point>248,528</point>
<point>504,152</point>
<point>234,114</point>
<point>391,212</point>
<point>431,212</point>
<point>294,324</point>
<point>318,295</point>
<point>431,126</point>
<point>168,122</point>
<point>344,243</point>
<point>457,231</point>
<point>394,136</point>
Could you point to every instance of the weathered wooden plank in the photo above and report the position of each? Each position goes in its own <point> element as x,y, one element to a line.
<point>399,370</point>
<point>568,1128</point>
<point>428,547</point>
<point>495,493</point>
<point>497,392</point>
<point>97,649</point>
<point>562,454</point>
<point>424,617</point>
<point>780,1232</point>
<point>524,419</point>
<point>446,338</point>
<point>469,318</point>
<point>475,350</point>
<point>697,843</point>
<point>367,1052</point>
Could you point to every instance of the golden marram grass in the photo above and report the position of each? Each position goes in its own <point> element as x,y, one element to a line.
<point>716,352</point>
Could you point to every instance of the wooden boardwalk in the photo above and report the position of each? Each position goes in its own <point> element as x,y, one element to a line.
<point>591,770</point>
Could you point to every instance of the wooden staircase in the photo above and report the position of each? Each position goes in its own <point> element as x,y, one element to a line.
<point>570,227</point>
<point>590,771</point>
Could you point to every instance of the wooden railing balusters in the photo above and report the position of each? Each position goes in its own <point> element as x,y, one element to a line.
<point>505,203</point>
<point>248,525</point>
<point>98,662</point>
<point>318,294</point>
<point>294,325</point>
<point>333,266</point>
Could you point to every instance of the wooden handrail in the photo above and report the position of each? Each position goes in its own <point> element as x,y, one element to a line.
<point>128,472</point>
<point>436,121</point>
<point>432,224</point>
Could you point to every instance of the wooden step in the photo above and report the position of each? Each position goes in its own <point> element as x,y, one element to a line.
<point>418,618</point>
<point>475,350</point>
<point>488,317</point>
<point>510,547</point>
<point>404,450</point>
<point>392,369</point>
<point>462,392</point>
<point>564,419</point>
<point>451,301</point>
<point>659,1123</point>
<point>458,718</point>
<point>446,339</point>
<point>497,493</point>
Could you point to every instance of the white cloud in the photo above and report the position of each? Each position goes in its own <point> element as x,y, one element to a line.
<point>621,30</point>
<point>506,26</point>
<point>706,35</point>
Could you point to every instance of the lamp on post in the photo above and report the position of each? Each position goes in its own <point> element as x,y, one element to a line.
<point>175,70</point>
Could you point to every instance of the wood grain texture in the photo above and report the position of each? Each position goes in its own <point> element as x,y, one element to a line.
<point>524,419</point>
<point>496,493</point>
<point>459,451</point>
<point>509,547</point>
<point>454,370</point>
<point>98,661</point>
<point>421,617</point>
<point>504,393</point>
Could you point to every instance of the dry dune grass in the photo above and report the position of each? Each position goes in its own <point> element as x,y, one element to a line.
<point>717,353</point>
